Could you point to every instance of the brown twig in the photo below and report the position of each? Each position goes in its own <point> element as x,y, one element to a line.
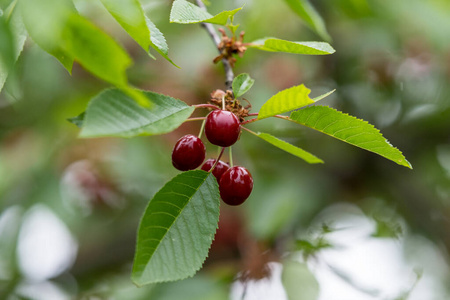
<point>229,74</point>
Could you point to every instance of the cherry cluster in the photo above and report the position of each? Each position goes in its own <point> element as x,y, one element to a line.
<point>222,128</point>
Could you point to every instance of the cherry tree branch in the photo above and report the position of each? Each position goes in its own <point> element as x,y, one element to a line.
<point>229,74</point>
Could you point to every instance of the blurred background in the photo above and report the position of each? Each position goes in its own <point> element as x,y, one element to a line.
<point>357,227</point>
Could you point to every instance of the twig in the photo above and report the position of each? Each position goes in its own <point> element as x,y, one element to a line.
<point>229,75</point>
<point>205,106</point>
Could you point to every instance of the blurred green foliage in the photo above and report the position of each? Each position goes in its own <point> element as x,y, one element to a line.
<point>391,68</point>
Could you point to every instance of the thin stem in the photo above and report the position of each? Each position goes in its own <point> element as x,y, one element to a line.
<point>229,75</point>
<point>223,102</point>
<point>202,128</point>
<point>250,121</point>
<point>217,160</point>
<point>196,119</point>
<point>205,106</point>
<point>230,156</point>
<point>253,114</point>
<point>251,131</point>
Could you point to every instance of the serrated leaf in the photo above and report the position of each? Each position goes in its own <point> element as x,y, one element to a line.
<point>78,120</point>
<point>349,129</point>
<point>6,50</point>
<point>298,281</point>
<point>95,50</point>
<point>308,13</point>
<point>177,229</point>
<point>277,45</point>
<point>184,12</point>
<point>287,100</point>
<point>115,113</point>
<point>306,156</point>
<point>241,84</point>
<point>18,38</point>
<point>130,15</point>
<point>47,32</point>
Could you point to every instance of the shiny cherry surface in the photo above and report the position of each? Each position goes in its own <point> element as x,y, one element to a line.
<point>235,185</point>
<point>220,168</point>
<point>222,128</point>
<point>188,153</point>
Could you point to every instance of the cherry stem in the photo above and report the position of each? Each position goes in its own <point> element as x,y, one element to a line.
<point>196,119</point>
<point>250,121</point>
<point>251,131</point>
<point>217,160</point>
<point>202,128</point>
<point>223,102</point>
<point>276,116</point>
<point>230,156</point>
<point>205,106</point>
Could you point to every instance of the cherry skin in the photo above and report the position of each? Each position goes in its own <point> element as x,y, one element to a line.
<point>188,153</point>
<point>235,185</point>
<point>222,128</point>
<point>218,171</point>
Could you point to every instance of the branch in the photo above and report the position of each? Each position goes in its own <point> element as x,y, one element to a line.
<point>213,34</point>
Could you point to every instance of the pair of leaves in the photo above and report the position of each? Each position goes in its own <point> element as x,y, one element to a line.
<point>184,12</point>
<point>327,120</point>
<point>68,36</point>
<point>115,113</point>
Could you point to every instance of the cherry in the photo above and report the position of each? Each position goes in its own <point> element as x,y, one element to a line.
<point>188,153</point>
<point>235,185</point>
<point>218,171</point>
<point>222,128</point>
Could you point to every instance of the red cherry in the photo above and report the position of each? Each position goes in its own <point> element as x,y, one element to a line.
<point>235,185</point>
<point>220,168</point>
<point>188,153</point>
<point>222,128</point>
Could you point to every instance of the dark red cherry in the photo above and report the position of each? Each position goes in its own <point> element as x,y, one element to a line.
<point>222,128</point>
<point>221,168</point>
<point>235,185</point>
<point>188,153</point>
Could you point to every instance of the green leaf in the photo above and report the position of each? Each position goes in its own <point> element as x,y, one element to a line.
<point>306,156</point>
<point>308,13</point>
<point>241,84</point>
<point>130,15</point>
<point>287,100</point>
<point>298,281</point>
<point>78,120</point>
<point>96,51</point>
<point>18,37</point>
<point>114,113</point>
<point>277,45</point>
<point>349,129</point>
<point>6,50</point>
<point>177,229</point>
<point>47,32</point>
<point>184,12</point>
